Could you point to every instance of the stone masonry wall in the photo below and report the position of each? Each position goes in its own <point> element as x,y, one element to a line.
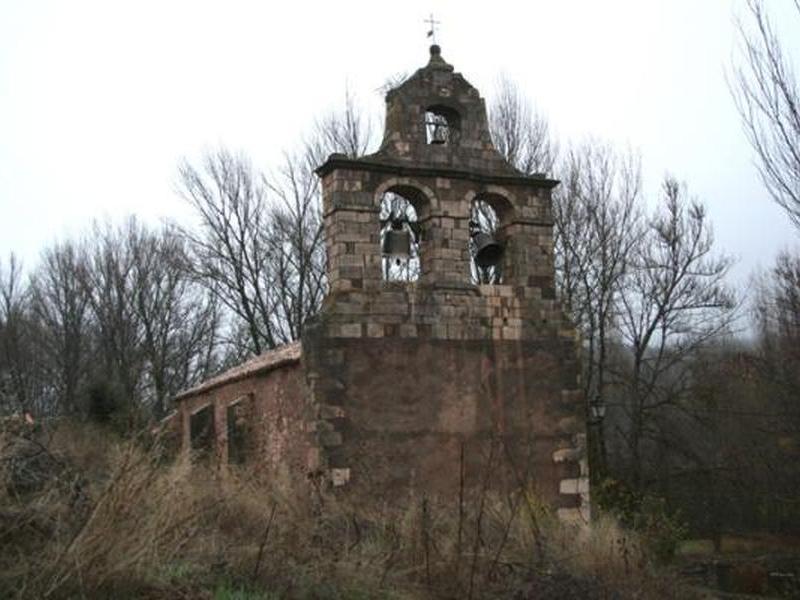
<point>413,377</point>
<point>351,204</point>
<point>408,378</point>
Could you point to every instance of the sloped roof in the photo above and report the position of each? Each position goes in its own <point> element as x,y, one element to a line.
<point>266,361</point>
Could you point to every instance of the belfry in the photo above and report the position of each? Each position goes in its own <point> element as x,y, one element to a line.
<point>440,353</point>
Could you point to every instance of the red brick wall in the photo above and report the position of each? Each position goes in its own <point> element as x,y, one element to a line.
<point>278,440</point>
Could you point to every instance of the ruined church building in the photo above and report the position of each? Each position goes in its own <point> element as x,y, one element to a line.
<point>413,378</point>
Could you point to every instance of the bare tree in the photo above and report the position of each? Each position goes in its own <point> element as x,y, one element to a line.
<point>179,319</point>
<point>18,364</point>
<point>109,280</point>
<point>296,242</point>
<point>117,322</point>
<point>263,260</point>
<point>347,131</point>
<point>727,447</point>
<point>777,313</point>
<point>646,295</point>
<point>296,234</point>
<point>778,317</point>
<point>519,132</point>
<point>260,245</point>
<point>61,305</point>
<point>598,224</point>
<point>768,100</point>
<point>230,252</point>
<point>673,301</point>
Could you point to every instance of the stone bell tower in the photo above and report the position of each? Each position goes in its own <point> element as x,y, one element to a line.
<point>416,384</point>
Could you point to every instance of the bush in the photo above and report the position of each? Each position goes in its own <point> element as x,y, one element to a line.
<point>103,401</point>
<point>661,530</point>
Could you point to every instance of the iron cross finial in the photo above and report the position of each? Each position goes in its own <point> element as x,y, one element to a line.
<point>432,23</point>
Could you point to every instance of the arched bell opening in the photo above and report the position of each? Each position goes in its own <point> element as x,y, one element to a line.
<point>400,237</point>
<point>442,125</point>
<point>486,248</point>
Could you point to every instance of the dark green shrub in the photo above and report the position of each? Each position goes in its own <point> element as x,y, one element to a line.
<point>661,529</point>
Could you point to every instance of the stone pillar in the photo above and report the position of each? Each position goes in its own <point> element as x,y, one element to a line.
<point>352,232</point>
<point>529,258</point>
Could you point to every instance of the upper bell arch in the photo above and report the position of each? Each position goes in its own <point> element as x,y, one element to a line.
<point>436,98</point>
<point>419,195</point>
<point>500,199</point>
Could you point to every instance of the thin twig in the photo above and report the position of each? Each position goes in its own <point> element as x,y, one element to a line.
<point>264,539</point>
<point>479,519</point>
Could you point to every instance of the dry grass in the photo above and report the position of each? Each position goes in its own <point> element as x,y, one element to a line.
<point>121,522</point>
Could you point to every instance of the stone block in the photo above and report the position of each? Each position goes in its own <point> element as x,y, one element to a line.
<point>347,308</point>
<point>339,477</point>
<point>351,272</point>
<point>567,455</point>
<point>330,438</point>
<point>455,332</point>
<point>408,330</point>
<point>571,397</point>
<point>570,425</point>
<point>328,411</point>
<point>334,356</point>
<point>375,330</point>
<point>439,331</point>
<point>576,485</point>
<point>350,330</point>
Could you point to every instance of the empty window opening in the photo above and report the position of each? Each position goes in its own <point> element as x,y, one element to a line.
<point>485,250</point>
<point>201,432</point>
<point>442,125</point>
<point>238,418</point>
<point>400,239</point>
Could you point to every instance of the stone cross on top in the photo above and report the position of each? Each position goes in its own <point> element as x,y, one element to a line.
<point>432,31</point>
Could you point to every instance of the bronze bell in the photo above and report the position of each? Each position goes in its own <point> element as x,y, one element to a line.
<point>439,136</point>
<point>488,251</point>
<point>438,129</point>
<point>397,243</point>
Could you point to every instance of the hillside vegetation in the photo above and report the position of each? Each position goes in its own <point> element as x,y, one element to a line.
<point>85,513</point>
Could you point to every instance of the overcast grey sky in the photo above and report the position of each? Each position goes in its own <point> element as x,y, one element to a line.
<point>100,100</point>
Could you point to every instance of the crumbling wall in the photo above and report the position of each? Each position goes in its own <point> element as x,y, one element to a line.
<point>278,444</point>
